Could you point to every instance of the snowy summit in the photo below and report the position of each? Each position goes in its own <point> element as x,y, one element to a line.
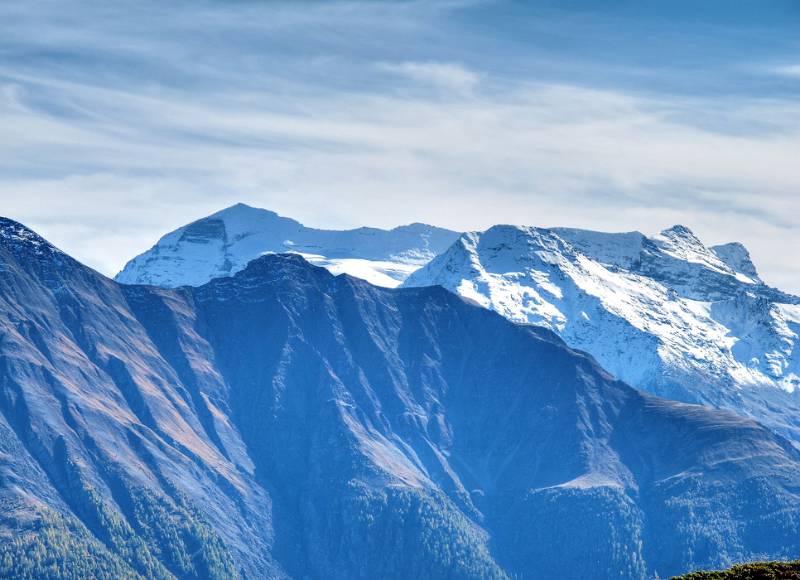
<point>223,244</point>
<point>664,313</point>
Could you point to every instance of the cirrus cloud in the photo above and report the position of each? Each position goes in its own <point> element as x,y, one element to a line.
<point>328,113</point>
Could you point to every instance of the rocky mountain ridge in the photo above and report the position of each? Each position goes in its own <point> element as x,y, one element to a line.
<point>666,314</point>
<point>286,422</point>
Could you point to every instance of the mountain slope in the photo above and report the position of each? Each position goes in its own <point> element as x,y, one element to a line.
<point>665,314</point>
<point>99,433</point>
<point>288,422</point>
<point>223,243</point>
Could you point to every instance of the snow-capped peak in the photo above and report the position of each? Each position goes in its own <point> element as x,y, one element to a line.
<point>681,243</point>
<point>15,235</point>
<point>737,258</point>
<point>664,313</point>
<point>224,242</point>
<point>24,243</point>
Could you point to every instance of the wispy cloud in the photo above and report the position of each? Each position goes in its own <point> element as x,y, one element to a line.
<point>444,75</point>
<point>105,151</point>
<point>789,70</point>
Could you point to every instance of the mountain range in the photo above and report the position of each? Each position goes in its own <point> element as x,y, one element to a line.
<point>223,244</point>
<point>287,422</point>
<point>664,313</point>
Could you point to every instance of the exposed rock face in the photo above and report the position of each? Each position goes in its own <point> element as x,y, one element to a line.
<point>737,258</point>
<point>285,422</point>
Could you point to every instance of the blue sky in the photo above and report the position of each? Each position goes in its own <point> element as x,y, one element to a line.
<point>122,120</point>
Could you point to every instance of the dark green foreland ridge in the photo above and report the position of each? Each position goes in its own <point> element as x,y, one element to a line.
<point>754,571</point>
